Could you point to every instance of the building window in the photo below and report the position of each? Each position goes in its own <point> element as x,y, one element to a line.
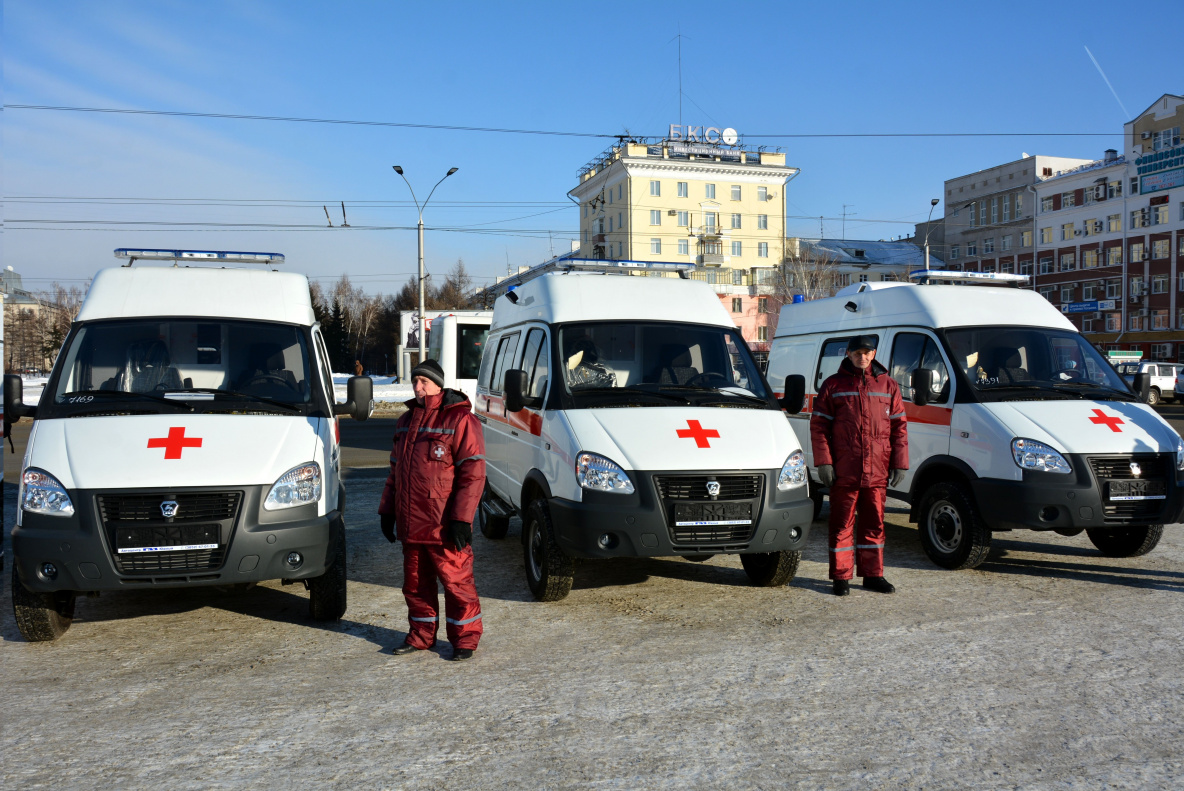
<point>1067,231</point>
<point>610,224</point>
<point>683,190</point>
<point>1066,293</point>
<point>1026,239</point>
<point>1046,265</point>
<point>988,245</point>
<point>973,206</point>
<point>762,305</point>
<point>954,251</point>
<point>1091,227</point>
<point>655,216</point>
<point>762,249</point>
<point>737,248</point>
<point>1068,262</point>
<point>585,210</point>
<point>656,188</point>
<point>988,267</point>
<point>656,246</point>
<point>1180,325</point>
<point>1026,267</point>
<point>762,333</point>
<point>599,225</point>
<point>684,219</point>
<point>972,248</point>
<point>1114,189</point>
<point>1045,204</point>
<point>1134,322</point>
<point>1089,195</point>
<point>1008,267</point>
<point>994,210</point>
<point>762,222</point>
<point>1159,215</point>
<point>1019,204</point>
<point>735,192</point>
<point>1046,292</point>
<point>1161,351</point>
<point>1114,223</point>
<point>1067,200</point>
<point>684,247</point>
<point>1136,252</point>
<point>1046,236</point>
<point>709,191</point>
<point>735,219</point>
<point>709,221</point>
<point>1165,138</point>
<point>1161,248</point>
<point>1134,186</point>
<point>737,277</point>
<point>1159,284</point>
<point>1006,208</point>
<point>1113,256</point>
<point>737,305</point>
<point>1113,322</point>
<point>1089,259</point>
<point>1087,291</point>
<point>762,193</point>
<point>1006,242</point>
<point>1137,286</point>
<point>610,196</point>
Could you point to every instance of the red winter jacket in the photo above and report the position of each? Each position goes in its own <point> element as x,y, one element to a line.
<point>437,468</point>
<point>858,425</point>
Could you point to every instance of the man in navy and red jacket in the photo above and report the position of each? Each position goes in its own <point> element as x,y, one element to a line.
<point>431,495</point>
<point>860,439</point>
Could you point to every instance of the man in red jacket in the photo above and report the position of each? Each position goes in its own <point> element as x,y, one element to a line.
<point>861,446</point>
<point>431,495</point>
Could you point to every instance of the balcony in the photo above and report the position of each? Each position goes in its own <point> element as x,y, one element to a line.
<point>710,259</point>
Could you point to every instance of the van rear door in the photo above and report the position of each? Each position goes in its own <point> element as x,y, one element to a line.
<point>928,426</point>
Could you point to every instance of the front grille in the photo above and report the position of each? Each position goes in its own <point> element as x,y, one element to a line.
<point>694,487</point>
<point>171,561</point>
<point>1152,467</point>
<point>720,534</point>
<point>191,506</point>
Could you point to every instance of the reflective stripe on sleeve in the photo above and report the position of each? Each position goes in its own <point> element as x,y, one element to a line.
<point>881,395</point>
<point>438,430</point>
<point>823,414</point>
<point>455,622</point>
<point>469,458</point>
<point>846,393</point>
<point>897,416</point>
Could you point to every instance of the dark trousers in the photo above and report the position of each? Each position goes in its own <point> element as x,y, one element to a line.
<point>423,566</point>
<point>862,546</point>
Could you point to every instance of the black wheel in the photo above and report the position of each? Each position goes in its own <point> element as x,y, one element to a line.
<point>697,558</point>
<point>326,593</point>
<point>549,572</point>
<point>1125,542</point>
<point>952,533</point>
<point>492,526</point>
<point>1153,396</point>
<point>771,569</point>
<point>41,616</point>
<point>817,497</point>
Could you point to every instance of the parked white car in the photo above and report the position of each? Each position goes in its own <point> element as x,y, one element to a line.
<point>1163,378</point>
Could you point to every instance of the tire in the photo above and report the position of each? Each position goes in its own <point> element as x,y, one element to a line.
<point>953,534</point>
<point>492,527</point>
<point>771,569</point>
<point>41,616</point>
<point>817,497</point>
<point>327,593</point>
<point>1153,396</point>
<point>549,572</point>
<point>1125,542</point>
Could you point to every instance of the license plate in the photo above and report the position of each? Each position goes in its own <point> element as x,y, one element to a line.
<point>1136,490</point>
<point>165,538</point>
<point>705,514</point>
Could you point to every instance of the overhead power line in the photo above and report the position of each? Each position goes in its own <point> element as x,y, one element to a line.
<point>512,131</point>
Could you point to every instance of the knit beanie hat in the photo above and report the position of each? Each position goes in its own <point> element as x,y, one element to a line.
<point>429,369</point>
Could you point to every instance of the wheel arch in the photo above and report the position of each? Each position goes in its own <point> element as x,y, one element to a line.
<point>534,486</point>
<point>936,469</point>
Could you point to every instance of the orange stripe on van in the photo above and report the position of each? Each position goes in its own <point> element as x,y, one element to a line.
<point>491,407</point>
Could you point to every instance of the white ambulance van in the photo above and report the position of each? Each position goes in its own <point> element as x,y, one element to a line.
<point>186,437</point>
<point>456,342</point>
<point>625,417</point>
<point>1015,420</point>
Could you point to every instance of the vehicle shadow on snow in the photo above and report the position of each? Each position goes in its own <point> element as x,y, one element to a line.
<point>1000,560</point>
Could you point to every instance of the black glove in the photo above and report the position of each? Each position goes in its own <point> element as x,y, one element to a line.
<point>461,533</point>
<point>826,474</point>
<point>895,477</point>
<point>387,522</point>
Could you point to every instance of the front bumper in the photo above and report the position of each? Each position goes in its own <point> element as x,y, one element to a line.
<point>255,545</point>
<point>639,524</point>
<point>1047,501</point>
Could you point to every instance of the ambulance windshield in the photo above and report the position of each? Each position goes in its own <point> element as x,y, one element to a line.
<point>201,365</point>
<point>1022,363</point>
<point>660,364</point>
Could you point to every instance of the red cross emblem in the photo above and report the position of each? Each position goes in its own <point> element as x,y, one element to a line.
<point>1101,417</point>
<point>698,433</point>
<point>438,451</point>
<point>175,442</point>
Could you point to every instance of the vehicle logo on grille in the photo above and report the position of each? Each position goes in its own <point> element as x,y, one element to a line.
<point>713,488</point>
<point>1136,470</point>
<point>168,509</point>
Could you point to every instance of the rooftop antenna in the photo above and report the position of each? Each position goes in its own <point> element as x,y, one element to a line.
<point>680,37</point>
<point>344,222</point>
<point>1108,85</point>
<point>845,213</point>
<point>326,208</point>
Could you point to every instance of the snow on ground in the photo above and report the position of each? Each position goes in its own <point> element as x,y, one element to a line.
<point>33,385</point>
<point>385,388</point>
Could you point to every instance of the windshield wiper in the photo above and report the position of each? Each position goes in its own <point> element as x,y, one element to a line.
<point>1095,385</point>
<point>80,397</point>
<point>730,390</point>
<point>236,394</point>
<point>611,391</point>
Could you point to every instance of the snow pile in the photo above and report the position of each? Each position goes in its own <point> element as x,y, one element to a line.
<point>33,385</point>
<point>385,388</point>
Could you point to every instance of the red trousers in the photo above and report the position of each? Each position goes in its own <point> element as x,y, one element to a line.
<point>865,542</point>
<point>423,565</point>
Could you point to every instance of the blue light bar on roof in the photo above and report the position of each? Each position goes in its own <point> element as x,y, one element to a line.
<point>207,256</point>
<point>603,264</point>
<point>967,277</point>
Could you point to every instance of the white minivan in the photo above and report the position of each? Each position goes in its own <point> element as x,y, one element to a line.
<point>456,342</point>
<point>1015,420</point>
<point>625,417</point>
<point>187,436</point>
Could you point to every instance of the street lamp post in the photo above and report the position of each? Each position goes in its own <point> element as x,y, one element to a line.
<point>420,207</point>
<point>928,228</point>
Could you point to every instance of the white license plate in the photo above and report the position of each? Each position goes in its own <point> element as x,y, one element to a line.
<point>182,548</point>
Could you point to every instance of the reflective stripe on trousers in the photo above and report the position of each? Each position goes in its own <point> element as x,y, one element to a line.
<point>423,566</point>
<point>849,504</point>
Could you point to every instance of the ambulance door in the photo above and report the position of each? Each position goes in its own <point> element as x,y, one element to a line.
<point>830,357</point>
<point>929,426</point>
<point>491,411</point>
<point>526,426</point>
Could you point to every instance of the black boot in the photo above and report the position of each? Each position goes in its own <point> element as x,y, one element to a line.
<point>842,588</point>
<point>878,584</point>
<point>405,648</point>
<point>461,654</point>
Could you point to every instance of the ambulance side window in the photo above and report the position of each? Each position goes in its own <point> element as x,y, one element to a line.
<point>834,350</point>
<point>536,369</point>
<point>487,358</point>
<point>505,358</point>
<point>913,350</point>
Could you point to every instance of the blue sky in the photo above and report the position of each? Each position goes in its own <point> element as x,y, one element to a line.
<point>764,69</point>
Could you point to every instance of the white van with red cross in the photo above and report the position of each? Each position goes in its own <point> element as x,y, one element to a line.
<point>626,417</point>
<point>187,436</point>
<point>1015,420</point>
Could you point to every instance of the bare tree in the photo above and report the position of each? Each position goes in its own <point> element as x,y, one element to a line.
<point>809,271</point>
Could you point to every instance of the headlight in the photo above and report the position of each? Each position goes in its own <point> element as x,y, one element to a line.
<point>41,493</point>
<point>298,486</point>
<point>1180,454</point>
<point>601,475</point>
<point>1032,455</point>
<point>793,472</point>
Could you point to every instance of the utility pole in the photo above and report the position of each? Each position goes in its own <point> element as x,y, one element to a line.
<point>845,205</point>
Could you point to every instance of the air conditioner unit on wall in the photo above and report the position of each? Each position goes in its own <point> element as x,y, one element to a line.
<point>671,212</point>
<point>1146,135</point>
<point>1136,298</point>
<point>1141,312</point>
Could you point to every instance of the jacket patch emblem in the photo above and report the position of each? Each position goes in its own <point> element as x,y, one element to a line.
<point>438,451</point>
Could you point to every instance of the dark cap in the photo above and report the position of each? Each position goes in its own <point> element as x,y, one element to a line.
<point>429,369</point>
<point>862,342</point>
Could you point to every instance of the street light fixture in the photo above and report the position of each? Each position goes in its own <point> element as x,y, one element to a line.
<point>420,207</point>
<point>928,228</point>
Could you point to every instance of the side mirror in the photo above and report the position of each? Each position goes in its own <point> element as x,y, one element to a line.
<point>795,394</point>
<point>922,386</point>
<point>515,389</point>
<point>1142,385</point>
<point>14,400</point>
<point>359,398</point>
